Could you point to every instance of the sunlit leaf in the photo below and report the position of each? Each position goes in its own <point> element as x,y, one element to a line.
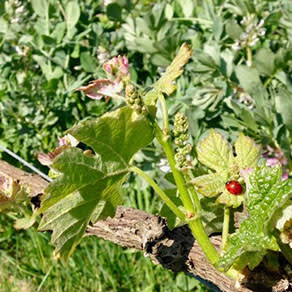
<point>72,11</point>
<point>89,187</point>
<point>166,83</point>
<point>215,152</point>
<point>247,152</point>
<point>230,200</point>
<point>210,185</point>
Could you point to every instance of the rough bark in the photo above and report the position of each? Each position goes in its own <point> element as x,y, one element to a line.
<point>35,182</point>
<point>175,249</point>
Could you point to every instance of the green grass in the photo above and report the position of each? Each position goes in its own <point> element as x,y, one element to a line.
<point>27,262</point>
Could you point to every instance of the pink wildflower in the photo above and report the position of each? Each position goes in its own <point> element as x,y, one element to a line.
<point>245,173</point>
<point>274,157</point>
<point>117,71</point>
<point>117,68</point>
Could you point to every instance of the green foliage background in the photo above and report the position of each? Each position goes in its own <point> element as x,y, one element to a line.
<point>48,48</point>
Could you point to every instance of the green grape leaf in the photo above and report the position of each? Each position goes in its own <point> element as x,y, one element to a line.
<point>251,259</point>
<point>229,200</point>
<point>89,187</point>
<point>209,185</point>
<point>212,215</point>
<point>267,194</point>
<point>116,136</point>
<point>166,83</point>
<point>247,152</point>
<point>75,195</point>
<point>215,152</point>
<point>260,183</point>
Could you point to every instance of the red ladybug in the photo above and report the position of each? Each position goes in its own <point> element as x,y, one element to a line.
<point>234,187</point>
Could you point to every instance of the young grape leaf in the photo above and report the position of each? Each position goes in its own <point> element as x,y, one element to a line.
<point>215,152</point>
<point>89,187</point>
<point>229,200</point>
<point>210,185</point>
<point>266,195</point>
<point>247,152</point>
<point>166,83</point>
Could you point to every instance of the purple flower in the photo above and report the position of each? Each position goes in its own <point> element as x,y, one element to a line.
<point>272,161</point>
<point>117,68</point>
<point>117,71</point>
<point>275,156</point>
<point>285,175</point>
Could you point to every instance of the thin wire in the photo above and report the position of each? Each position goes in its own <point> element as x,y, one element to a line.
<point>12,154</point>
<point>210,285</point>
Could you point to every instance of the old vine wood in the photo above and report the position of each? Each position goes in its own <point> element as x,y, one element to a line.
<point>175,249</point>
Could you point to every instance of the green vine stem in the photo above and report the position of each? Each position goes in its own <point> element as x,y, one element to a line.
<point>190,206</point>
<point>201,236</point>
<point>225,231</point>
<point>178,177</point>
<point>189,176</point>
<point>194,222</point>
<point>172,206</point>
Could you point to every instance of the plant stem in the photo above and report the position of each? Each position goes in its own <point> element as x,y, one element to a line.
<point>201,236</point>
<point>178,177</point>
<point>195,222</point>
<point>225,230</point>
<point>172,206</point>
<point>249,56</point>
<point>193,19</point>
<point>164,113</point>
<point>188,176</point>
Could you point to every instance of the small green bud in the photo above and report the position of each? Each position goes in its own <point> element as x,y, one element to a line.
<point>131,100</point>
<point>179,142</point>
<point>138,101</point>
<point>186,149</point>
<point>130,91</point>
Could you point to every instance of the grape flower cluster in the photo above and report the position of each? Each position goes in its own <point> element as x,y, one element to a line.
<point>181,137</point>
